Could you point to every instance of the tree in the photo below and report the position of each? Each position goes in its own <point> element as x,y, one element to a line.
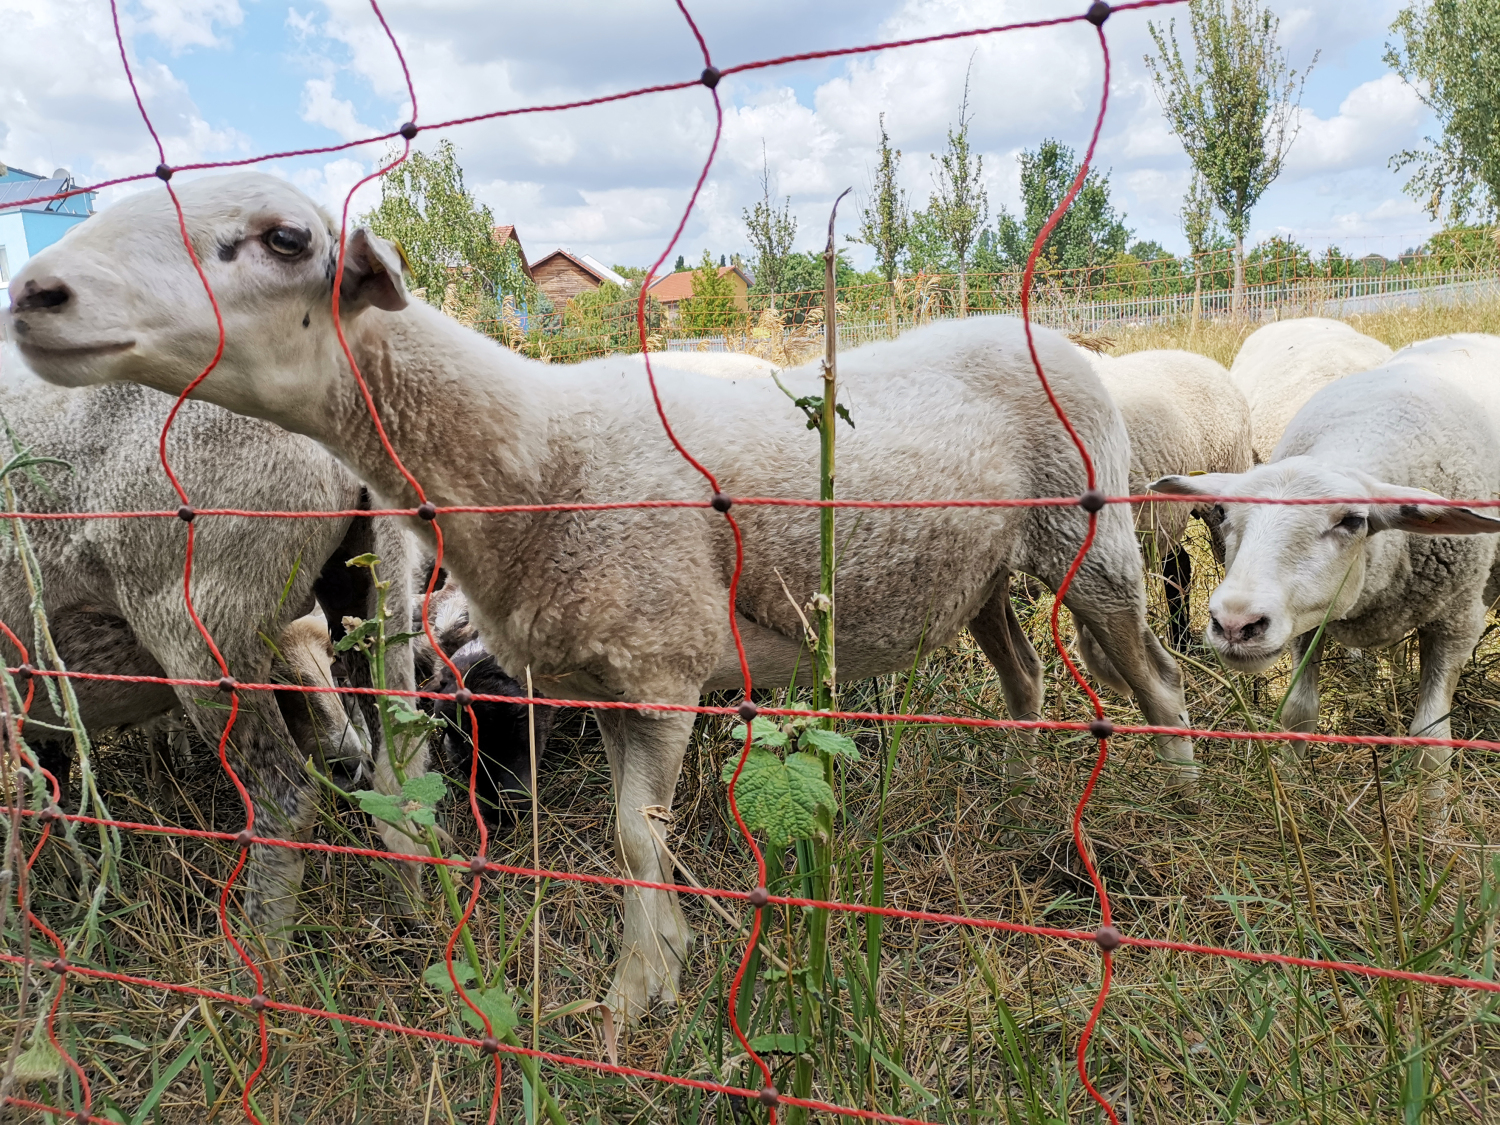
<point>958,209</point>
<point>1235,111</point>
<point>448,236</point>
<point>1202,232</point>
<point>885,221</point>
<point>712,307</point>
<point>1090,233</point>
<point>1450,55</point>
<point>771,233</point>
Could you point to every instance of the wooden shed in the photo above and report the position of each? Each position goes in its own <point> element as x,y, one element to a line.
<point>562,276</point>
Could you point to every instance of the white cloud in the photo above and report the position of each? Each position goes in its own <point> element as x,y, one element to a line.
<point>1376,119</point>
<point>320,107</point>
<point>189,23</point>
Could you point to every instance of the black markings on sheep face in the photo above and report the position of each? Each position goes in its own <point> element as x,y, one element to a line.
<point>307,318</point>
<point>228,251</point>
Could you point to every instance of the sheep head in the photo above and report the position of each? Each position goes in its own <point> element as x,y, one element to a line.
<point>119,299</point>
<point>1289,568</point>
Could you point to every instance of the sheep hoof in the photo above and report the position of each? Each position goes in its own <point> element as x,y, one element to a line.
<point>636,984</point>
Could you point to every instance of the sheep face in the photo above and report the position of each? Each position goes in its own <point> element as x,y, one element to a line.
<point>118,298</point>
<point>1290,568</point>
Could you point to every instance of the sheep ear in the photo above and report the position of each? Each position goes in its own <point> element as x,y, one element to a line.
<point>1427,519</point>
<point>1204,484</point>
<point>372,274</point>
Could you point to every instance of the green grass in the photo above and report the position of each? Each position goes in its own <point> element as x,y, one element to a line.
<point>935,1022</point>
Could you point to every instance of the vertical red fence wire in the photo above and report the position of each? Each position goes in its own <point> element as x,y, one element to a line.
<point>1106,938</point>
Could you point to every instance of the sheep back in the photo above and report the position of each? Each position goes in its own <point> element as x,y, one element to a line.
<point>1284,364</point>
<point>1184,415</point>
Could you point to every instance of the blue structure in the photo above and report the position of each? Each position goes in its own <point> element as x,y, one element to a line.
<point>26,228</point>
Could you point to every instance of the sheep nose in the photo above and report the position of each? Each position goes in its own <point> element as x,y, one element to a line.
<point>49,293</point>
<point>1237,628</point>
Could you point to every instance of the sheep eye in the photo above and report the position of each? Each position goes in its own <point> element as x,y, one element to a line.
<point>1352,524</point>
<point>286,241</point>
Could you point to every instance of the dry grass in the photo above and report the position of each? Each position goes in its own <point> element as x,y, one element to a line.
<point>1283,855</point>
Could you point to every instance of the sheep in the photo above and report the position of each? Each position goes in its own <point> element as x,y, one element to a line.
<point>505,730</point>
<point>1183,415</point>
<point>1281,366</point>
<point>716,365</point>
<point>630,605</point>
<point>1424,424</point>
<point>113,591</point>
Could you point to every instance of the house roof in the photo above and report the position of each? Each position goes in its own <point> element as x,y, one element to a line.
<point>588,264</point>
<point>504,234</point>
<point>676,286</point>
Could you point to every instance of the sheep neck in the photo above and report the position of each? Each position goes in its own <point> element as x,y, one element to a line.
<point>467,417</point>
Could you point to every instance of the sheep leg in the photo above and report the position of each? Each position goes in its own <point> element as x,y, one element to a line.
<point>1111,610</point>
<point>1444,647</point>
<point>645,757</point>
<point>285,801</point>
<point>1177,579</point>
<point>56,757</point>
<point>1000,635</point>
<point>1300,711</point>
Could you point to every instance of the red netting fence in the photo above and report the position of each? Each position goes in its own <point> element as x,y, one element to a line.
<point>1106,938</point>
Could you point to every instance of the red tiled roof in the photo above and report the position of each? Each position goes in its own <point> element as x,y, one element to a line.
<point>504,234</point>
<point>675,286</point>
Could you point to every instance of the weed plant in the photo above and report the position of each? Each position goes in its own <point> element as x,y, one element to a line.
<point>1328,855</point>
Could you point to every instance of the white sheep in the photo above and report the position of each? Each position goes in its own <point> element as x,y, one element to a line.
<point>632,605</point>
<point>113,587</point>
<point>1281,366</point>
<point>716,365</point>
<point>1423,425</point>
<point>1184,415</point>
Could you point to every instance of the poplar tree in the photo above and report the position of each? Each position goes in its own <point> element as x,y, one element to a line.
<point>885,222</point>
<point>1235,109</point>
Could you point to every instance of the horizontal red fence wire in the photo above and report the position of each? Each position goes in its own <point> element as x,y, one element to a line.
<point>1105,939</point>
<point>769,502</point>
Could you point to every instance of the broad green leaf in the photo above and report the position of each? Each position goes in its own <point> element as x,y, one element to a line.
<point>495,1004</point>
<point>763,732</point>
<point>40,1062</point>
<point>408,722</point>
<point>437,975</point>
<point>780,798</point>
<point>353,637</point>
<point>382,806</point>
<point>417,801</point>
<point>828,742</point>
<point>778,1044</point>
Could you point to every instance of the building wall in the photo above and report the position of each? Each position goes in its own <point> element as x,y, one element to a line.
<point>561,280</point>
<point>13,241</point>
<point>43,228</point>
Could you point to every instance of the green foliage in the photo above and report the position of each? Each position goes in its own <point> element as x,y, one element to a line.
<point>1091,233</point>
<point>712,307</point>
<point>1450,54</point>
<point>448,236</point>
<point>957,211</point>
<point>1198,222</point>
<point>493,1002</point>
<point>885,221</point>
<point>416,803</point>
<point>821,741</point>
<point>770,232</point>
<point>1235,109</point>
<point>781,798</point>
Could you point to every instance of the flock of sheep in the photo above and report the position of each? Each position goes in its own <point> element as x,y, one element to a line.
<point>630,604</point>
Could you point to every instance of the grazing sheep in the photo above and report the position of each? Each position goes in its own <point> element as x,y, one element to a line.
<point>113,587</point>
<point>1281,366</point>
<point>717,365</point>
<point>1183,415</point>
<point>1423,425</point>
<point>505,729</point>
<point>631,605</point>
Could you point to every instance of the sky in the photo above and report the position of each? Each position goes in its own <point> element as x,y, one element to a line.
<point>228,79</point>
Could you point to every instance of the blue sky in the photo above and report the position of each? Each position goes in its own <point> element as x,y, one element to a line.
<point>231,78</point>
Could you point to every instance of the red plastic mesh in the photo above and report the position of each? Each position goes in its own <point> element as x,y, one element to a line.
<point>1103,939</point>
